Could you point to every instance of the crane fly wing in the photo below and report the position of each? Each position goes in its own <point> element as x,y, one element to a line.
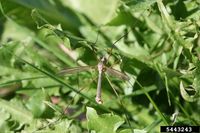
<point>116,73</point>
<point>76,69</point>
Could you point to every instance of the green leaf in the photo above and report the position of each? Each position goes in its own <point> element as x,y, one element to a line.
<point>100,12</point>
<point>63,126</point>
<point>156,47</point>
<point>5,57</point>
<point>3,121</point>
<point>138,5</point>
<point>135,131</point>
<point>17,111</point>
<point>38,18</point>
<point>64,15</point>
<point>106,123</point>
<point>139,131</point>
<point>37,106</point>
<point>122,18</point>
<point>197,77</point>
<point>185,95</point>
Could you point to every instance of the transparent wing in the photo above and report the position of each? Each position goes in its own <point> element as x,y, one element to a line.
<point>116,73</point>
<point>77,69</point>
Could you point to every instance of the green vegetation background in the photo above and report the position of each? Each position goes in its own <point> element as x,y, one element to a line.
<point>157,46</point>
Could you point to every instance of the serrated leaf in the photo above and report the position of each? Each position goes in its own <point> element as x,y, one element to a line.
<point>4,116</point>
<point>39,20</point>
<point>63,126</point>
<point>17,111</point>
<point>106,123</point>
<point>186,96</point>
<point>5,56</point>
<point>139,5</point>
<point>64,15</point>
<point>197,76</point>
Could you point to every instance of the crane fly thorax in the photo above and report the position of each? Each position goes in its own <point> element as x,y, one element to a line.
<point>101,67</point>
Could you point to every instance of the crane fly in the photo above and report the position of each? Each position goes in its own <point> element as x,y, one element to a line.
<point>101,69</point>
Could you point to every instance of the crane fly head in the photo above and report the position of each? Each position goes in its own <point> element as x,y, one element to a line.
<point>103,60</point>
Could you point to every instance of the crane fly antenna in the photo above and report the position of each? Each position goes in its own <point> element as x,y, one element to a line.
<point>121,37</point>
<point>113,45</point>
<point>97,37</point>
<point>94,49</point>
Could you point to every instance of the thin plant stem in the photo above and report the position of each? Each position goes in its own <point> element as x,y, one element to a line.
<point>121,103</point>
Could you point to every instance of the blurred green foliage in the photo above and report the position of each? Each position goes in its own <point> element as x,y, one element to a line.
<point>156,43</point>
